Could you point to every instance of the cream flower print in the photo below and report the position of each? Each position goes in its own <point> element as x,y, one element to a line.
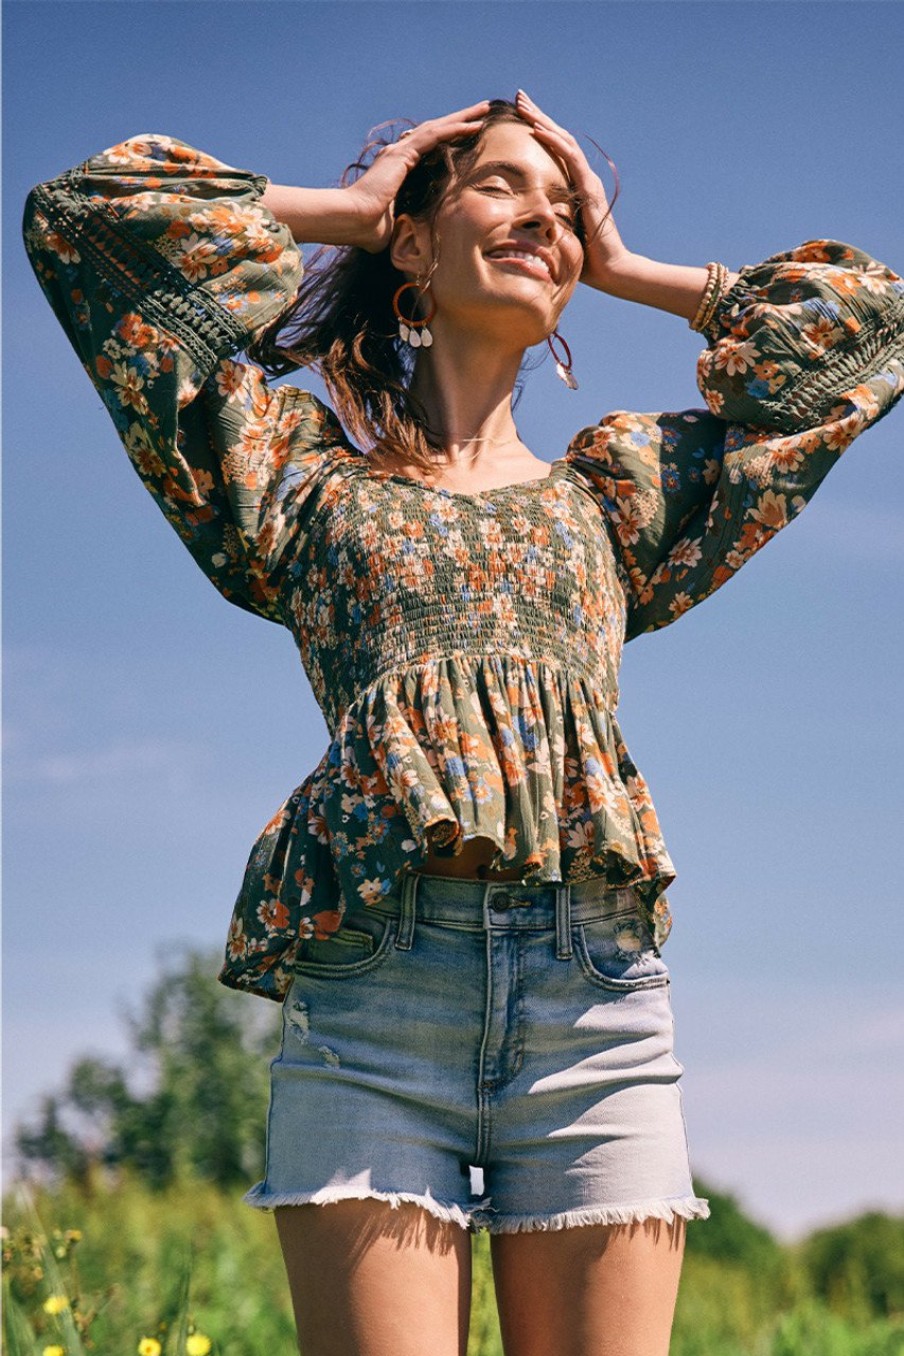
<point>464,651</point>
<point>736,356</point>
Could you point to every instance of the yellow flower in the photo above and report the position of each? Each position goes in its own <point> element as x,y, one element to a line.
<point>198,1344</point>
<point>56,1304</point>
<point>149,1346</point>
<point>54,1350</point>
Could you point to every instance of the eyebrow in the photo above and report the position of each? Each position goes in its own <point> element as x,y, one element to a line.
<point>509,167</point>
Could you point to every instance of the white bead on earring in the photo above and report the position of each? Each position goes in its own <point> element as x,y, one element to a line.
<point>415,333</point>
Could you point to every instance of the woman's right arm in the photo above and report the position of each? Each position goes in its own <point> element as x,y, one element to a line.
<point>161,265</point>
<point>361,214</point>
<point>323,216</point>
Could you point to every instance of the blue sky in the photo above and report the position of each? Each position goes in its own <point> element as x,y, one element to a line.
<point>151,729</point>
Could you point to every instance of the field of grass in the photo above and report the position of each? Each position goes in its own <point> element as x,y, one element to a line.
<point>189,1271</point>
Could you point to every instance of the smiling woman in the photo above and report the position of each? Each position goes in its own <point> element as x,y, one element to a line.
<point>462,908</point>
<point>454,195</point>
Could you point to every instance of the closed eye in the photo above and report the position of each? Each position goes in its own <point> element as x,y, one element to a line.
<point>564,210</point>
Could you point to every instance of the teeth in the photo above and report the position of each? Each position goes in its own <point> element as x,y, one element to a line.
<point>521,254</point>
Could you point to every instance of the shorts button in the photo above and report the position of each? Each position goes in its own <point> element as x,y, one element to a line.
<point>502,901</point>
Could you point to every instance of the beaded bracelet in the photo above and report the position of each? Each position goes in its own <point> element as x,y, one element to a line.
<point>716,278</point>
<point>709,292</point>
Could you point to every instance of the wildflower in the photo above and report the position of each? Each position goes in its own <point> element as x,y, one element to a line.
<point>197,1344</point>
<point>149,1346</point>
<point>54,1350</point>
<point>56,1304</point>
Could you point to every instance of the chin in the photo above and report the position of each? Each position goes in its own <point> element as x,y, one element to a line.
<point>517,321</point>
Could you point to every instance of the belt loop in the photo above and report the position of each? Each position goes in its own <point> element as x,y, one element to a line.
<point>406,912</point>
<point>563,922</point>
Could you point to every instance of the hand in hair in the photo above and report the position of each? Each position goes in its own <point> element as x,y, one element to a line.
<point>603,246</point>
<point>374,193</point>
<point>361,213</point>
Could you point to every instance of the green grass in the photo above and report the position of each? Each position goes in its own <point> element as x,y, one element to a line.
<point>162,1265</point>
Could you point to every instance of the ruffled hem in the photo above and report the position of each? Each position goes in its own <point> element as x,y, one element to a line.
<point>513,750</point>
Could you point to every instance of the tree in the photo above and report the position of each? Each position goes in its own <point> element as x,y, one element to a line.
<point>857,1268</point>
<point>202,1053</point>
<point>731,1236</point>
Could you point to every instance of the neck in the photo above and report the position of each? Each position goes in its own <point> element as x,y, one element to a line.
<point>466,390</point>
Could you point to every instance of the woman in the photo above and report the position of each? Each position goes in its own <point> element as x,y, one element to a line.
<point>462,908</point>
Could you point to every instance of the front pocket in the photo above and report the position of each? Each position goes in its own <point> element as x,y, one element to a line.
<point>619,953</point>
<point>360,944</point>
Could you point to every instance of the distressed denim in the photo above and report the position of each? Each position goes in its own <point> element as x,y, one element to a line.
<point>522,1029</point>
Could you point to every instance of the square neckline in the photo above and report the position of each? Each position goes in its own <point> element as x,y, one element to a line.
<point>374,473</point>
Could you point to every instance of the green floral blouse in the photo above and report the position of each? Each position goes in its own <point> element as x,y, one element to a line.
<point>464,648</point>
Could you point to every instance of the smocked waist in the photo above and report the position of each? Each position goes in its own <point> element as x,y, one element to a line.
<point>456,672</point>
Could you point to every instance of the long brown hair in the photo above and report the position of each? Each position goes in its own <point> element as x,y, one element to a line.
<point>342,323</point>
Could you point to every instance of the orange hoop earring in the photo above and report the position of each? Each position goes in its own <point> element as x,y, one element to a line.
<point>563,365</point>
<point>414,333</point>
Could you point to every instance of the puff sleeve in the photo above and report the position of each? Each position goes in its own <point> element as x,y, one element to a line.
<point>804,352</point>
<point>161,266</point>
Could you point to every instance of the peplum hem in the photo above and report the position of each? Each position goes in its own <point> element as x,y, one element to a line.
<point>519,751</point>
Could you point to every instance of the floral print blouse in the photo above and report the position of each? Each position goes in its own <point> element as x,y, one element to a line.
<point>464,648</point>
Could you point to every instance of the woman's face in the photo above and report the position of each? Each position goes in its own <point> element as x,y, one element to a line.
<point>508,254</point>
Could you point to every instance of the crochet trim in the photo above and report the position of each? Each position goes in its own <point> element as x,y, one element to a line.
<point>164,296</point>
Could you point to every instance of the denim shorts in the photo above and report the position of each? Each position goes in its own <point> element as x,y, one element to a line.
<point>524,1030</point>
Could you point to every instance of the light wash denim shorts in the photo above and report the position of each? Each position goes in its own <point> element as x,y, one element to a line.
<point>522,1030</point>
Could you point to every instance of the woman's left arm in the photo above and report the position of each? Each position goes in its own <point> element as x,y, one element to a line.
<point>608,265</point>
<point>804,352</point>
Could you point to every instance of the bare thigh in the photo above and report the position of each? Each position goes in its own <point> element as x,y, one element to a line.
<point>594,1290</point>
<point>370,1280</point>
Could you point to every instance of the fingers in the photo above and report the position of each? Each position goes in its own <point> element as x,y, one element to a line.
<point>541,122</point>
<point>451,124</point>
<point>558,142</point>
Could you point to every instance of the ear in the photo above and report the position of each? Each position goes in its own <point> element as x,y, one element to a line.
<point>410,247</point>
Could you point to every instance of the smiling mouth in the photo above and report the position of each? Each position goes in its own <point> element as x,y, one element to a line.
<point>529,263</point>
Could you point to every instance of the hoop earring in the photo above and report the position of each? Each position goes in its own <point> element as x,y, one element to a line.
<point>413,332</point>
<point>563,365</point>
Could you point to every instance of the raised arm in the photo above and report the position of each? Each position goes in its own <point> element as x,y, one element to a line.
<point>608,265</point>
<point>161,265</point>
<point>361,213</point>
<point>804,353</point>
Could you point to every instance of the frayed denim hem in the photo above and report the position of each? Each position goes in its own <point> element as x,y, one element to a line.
<point>686,1207</point>
<point>261,1199</point>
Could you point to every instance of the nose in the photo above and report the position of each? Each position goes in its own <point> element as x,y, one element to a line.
<point>537,213</point>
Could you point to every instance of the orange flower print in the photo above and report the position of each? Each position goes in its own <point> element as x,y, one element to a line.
<point>686,552</point>
<point>465,651</point>
<point>135,331</point>
<point>65,252</point>
<point>866,401</point>
<point>822,334</point>
<point>273,915</point>
<point>771,510</point>
<point>680,604</point>
<point>842,433</point>
<point>131,387</point>
<point>230,377</point>
<point>734,357</point>
<point>326,923</point>
<point>715,400</point>
<point>146,459</point>
<point>845,282</point>
<point>197,258</point>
